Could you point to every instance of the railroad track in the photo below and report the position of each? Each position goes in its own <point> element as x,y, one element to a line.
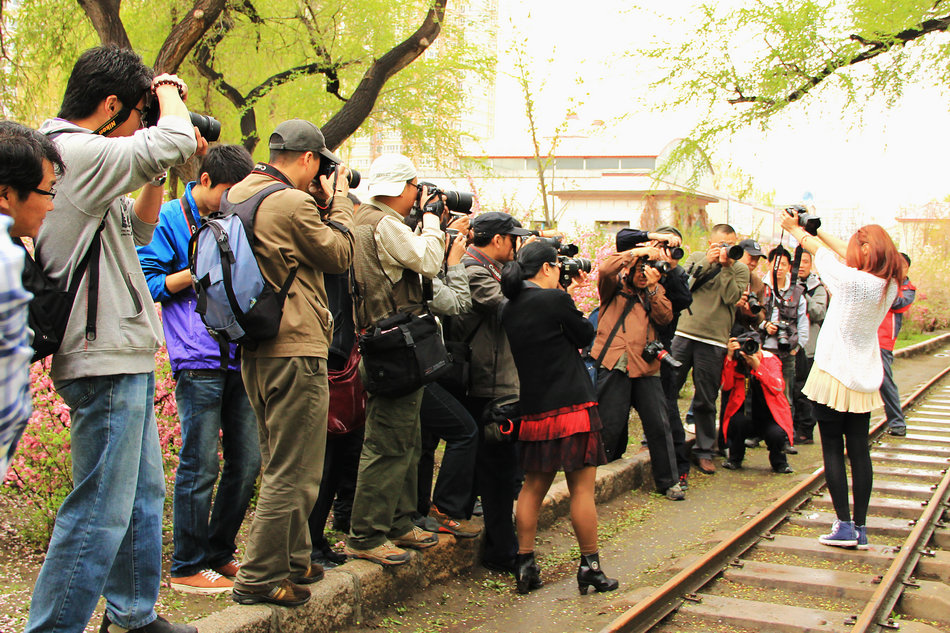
<point>773,575</point>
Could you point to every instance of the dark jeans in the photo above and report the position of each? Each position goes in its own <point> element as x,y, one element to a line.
<point>706,362</point>
<point>803,413</point>
<point>340,467</point>
<point>212,402</point>
<point>788,374</point>
<point>890,394</point>
<point>839,430</point>
<point>444,418</point>
<point>616,392</point>
<point>677,432</point>
<point>496,468</point>
<point>742,426</point>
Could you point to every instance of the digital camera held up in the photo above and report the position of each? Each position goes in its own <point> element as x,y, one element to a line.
<point>328,168</point>
<point>455,201</point>
<point>735,252</point>
<point>208,127</point>
<point>654,350</point>
<point>749,342</point>
<point>808,221</point>
<point>571,265</point>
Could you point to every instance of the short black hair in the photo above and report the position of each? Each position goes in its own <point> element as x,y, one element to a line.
<point>780,251</point>
<point>226,164</point>
<point>22,151</point>
<point>100,72</point>
<point>725,229</point>
<point>284,155</point>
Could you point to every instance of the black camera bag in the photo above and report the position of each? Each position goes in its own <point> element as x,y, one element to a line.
<point>402,353</point>
<point>501,420</point>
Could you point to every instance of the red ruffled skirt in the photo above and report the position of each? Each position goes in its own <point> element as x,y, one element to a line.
<point>565,439</point>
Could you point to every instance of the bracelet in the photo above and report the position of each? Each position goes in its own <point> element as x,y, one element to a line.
<point>159,180</point>
<point>171,82</point>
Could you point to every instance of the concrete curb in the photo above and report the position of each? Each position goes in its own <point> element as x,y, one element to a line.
<point>359,589</point>
<point>922,347</point>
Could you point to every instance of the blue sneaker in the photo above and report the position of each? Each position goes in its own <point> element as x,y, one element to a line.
<point>862,532</point>
<point>842,534</point>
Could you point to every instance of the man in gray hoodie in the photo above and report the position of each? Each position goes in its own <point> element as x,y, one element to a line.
<point>108,534</point>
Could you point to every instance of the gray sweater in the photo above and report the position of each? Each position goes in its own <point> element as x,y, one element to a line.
<point>100,173</point>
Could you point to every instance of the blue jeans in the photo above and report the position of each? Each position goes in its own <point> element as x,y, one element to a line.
<point>890,394</point>
<point>108,534</point>
<point>212,402</point>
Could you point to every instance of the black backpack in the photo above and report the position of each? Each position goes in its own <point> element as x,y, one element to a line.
<point>51,305</point>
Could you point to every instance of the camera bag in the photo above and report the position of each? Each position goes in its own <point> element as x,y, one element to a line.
<point>501,420</point>
<point>402,353</point>
<point>235,302</point>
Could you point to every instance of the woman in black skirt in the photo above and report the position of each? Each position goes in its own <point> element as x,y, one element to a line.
<point>560,428</point>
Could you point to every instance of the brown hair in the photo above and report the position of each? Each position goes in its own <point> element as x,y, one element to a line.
<point>881,259</point>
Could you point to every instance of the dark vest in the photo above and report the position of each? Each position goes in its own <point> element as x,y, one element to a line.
<point>379,298</point>
<point>787,310</point>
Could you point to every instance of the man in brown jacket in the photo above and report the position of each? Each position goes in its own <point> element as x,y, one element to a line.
<point>286,377</point>
<point>632,303</point>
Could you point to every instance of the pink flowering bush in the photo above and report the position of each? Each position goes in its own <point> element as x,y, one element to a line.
<point>41,473</point>
<point>931,309</point>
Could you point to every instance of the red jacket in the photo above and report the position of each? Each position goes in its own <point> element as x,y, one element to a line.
<point>891,325</point>
<point>769,375</point>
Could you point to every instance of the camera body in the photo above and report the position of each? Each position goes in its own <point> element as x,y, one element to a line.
<point>656,350</point>
<point>455,201</point>
<point>808,221</point>
<point>328,169</point>
<point>783,334</point>
<point>209,127</point>
<point>734,252</point>
<point>571,265</point>
<point>753,302</point>
<point>661,266</point>
<point>749,342</point>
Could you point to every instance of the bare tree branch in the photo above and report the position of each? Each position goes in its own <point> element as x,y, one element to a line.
<point>186,34</point>
<point>104,15</point>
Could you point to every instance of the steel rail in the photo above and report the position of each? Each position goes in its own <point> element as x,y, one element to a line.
<point>666,599</point>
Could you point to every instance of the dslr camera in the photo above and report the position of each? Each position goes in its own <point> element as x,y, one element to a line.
<point>456,201</point>
<point>735,252</point>
<point>654,350</point>
<point>749,342</point>
<point>783,334</point>
<point>571,265</point>
<point>208,127</point>
<point>752,300</point>
<point>808,221</point>
<point>328,169</point>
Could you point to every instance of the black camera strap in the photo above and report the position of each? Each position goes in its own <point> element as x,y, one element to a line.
<point>631,301</point>
<point>274,173</point>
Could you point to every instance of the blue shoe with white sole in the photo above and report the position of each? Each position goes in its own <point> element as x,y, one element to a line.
<point>842,534</point>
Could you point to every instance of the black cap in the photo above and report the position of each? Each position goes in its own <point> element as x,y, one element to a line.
<point>497,223</point>
<point>751,247</point>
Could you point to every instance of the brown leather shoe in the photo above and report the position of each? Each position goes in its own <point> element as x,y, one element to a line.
<point>285,594</point>
<point>706,466</point>
<point>312,575</point>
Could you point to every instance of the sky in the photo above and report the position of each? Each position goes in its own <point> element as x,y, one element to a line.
<point>890,158</point>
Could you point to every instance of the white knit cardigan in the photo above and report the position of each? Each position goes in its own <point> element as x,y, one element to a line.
<point>847,343</point>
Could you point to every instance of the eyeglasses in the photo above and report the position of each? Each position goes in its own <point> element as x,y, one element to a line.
<point>51,193</point>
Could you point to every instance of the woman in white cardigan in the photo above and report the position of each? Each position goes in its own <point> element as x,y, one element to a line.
<point>846,378</point>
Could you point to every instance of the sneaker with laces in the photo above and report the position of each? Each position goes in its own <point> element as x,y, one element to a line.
<point>229,569</point>
<point>684,482</point>
<point>842,534</point>
<point>417,538</point>
<point>675,493</point>
<point>862,532</point>
<point>158,625</point>
<point>205,582</point>
<point>284,594</point>
<point>385,554</point>
<point>445,524</point>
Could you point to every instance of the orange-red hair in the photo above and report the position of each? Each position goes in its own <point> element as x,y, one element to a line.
<point>881,259</point>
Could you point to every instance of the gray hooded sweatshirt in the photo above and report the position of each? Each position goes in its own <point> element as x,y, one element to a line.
<point>100,173</point>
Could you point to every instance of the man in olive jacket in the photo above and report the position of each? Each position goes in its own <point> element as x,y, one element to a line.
<point>286,377</point>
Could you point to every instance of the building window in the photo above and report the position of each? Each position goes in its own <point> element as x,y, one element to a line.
<point>603,163</point>
<point>569,163</point>
<point>638,162</point>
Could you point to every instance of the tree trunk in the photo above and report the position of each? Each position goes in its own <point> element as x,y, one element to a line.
<point>104,15</point>
<point>348,118</point>
<point>186,34</point>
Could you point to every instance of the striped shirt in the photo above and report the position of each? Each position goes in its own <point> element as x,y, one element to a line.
<point>15,351</point>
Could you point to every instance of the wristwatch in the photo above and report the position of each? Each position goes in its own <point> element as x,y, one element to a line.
<point>159,180</point>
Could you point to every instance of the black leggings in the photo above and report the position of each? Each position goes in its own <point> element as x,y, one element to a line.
<point>837,431</point>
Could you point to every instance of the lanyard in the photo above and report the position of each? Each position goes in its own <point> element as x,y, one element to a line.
<point>194,217</point>
<point>274,173</point>
<point>483,259</point>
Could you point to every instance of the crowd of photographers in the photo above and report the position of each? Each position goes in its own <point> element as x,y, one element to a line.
<point>401,321</point>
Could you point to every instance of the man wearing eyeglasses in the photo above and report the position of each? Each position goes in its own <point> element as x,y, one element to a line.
<point>107,540</point>
<point>27,174</point>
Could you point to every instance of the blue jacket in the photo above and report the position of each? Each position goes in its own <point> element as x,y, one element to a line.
<point>190,346</point>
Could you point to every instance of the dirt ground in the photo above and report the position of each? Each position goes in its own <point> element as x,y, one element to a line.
<point>643,537</point>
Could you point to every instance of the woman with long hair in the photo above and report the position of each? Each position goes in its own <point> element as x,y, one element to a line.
<point>560,428</point>
<point>846,377</point>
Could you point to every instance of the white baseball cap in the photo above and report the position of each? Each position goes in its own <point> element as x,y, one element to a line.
<point>389,174</point>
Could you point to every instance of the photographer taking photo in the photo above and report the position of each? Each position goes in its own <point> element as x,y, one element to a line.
<point>560,428</point>
<point>633,303</point>
<point>845,380</point>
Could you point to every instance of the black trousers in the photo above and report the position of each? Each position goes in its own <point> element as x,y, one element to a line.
<point>616,393</point>
<point>444,418</point>
<point>677,432</point>
<point>340,466</point>
<point>804,411</point>
<point>760,425</point>
<point>706,362</point>
<point>496,474</point>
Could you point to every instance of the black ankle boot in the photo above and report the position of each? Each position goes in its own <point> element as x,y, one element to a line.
<point>589,574</point>
<point>527,573</point>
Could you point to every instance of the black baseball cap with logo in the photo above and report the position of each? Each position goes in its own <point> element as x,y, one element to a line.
<point>497,223</point>
<point>752,247</point>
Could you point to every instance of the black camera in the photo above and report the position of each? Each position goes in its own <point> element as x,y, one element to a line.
<point>808,221</point>
<point>661,266</point>
<point>655,350</point>
<point>735,252</point>
<point>783,334</point>
<point>571,265</point>
<point>749,342</point>
<point>455,201</point>
<point>209,127</point>
<point>753,302</point>
<point>675,252</point>
<point>328,169</point>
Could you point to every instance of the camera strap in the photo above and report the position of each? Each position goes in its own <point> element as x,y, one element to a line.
<point>610,337</point>
<point>273,172</point>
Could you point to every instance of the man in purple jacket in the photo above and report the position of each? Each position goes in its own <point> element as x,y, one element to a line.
<point>209,391</point>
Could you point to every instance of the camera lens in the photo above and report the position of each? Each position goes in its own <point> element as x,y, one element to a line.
<point>676,252</point>
<point>458,201</point>
<point>208,127</point>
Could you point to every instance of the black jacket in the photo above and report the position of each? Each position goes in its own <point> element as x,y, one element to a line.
<point>546,330</point>
<point>676,285</point>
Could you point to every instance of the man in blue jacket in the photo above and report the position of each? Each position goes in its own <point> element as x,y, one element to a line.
<point>209,390</point>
